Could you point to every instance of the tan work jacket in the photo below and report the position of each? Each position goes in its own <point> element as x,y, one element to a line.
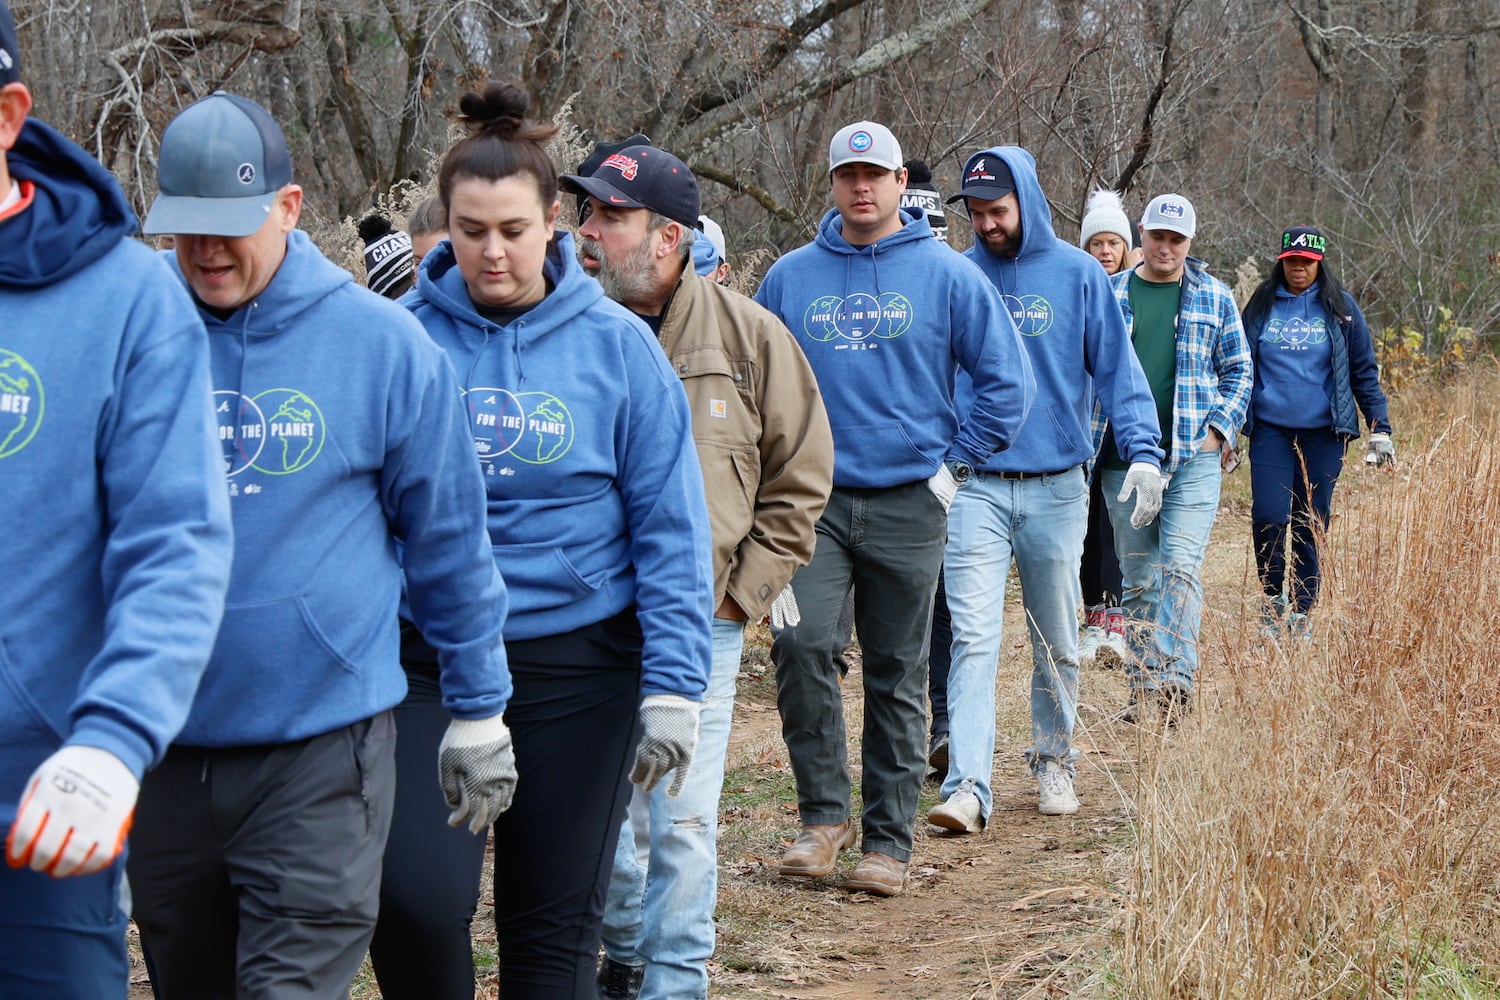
<point>762,436</point>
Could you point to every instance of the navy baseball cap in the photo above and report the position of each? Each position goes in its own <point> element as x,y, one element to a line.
<point>222,161</point>
<point>643,177</point>
<point>10,48</point>
<point>986,177</point>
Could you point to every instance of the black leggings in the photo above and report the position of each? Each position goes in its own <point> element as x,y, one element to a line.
<point>573,718</point>
<point>430,881</point>
<point>1099,571</point>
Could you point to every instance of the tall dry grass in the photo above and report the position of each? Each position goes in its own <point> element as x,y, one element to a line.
<point>1325,825</point>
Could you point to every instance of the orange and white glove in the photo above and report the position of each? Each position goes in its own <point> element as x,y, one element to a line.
<point>74,815</point>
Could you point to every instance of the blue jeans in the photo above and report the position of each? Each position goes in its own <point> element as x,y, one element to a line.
<point>1040,524</point>
<point>1160,563</point>
<point>660,907</point>
<point>1292,475</point>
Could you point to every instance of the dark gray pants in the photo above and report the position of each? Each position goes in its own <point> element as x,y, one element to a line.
<point>256,870</point>
<point>889,545</point>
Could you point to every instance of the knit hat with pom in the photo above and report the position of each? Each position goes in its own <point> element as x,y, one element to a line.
<point>1104,212</point>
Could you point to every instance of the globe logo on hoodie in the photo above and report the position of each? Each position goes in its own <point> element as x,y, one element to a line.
<point>857,317</point>
<point>277,432</point>
<point>21,402</point>
<point>531,427</point>
<point>1032,314</point>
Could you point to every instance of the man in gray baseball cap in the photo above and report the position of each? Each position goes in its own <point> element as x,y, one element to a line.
<point>258,842</point>
<point>890,321</point>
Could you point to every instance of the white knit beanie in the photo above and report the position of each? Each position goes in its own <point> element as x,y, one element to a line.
<point>1104,212</point>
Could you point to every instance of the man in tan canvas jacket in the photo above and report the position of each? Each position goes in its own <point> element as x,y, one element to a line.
<point>767,454</point>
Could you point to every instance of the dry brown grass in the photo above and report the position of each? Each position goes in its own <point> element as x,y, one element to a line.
<point>1323,828</point>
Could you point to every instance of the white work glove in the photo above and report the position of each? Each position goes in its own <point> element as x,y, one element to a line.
<point>477,771</point>
<point>943,486</point>
<point>1144,480</point>
<point>669,735</point>
<point>1382,453</point>
<point>784,610</point>
<point>75,813</point>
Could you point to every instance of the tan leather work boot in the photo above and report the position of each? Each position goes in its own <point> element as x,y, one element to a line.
<point>816,850</point>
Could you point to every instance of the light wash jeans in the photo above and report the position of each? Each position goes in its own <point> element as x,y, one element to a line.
<point>1160,564</point>
<point>1040,523</point>
<point>660,908</point>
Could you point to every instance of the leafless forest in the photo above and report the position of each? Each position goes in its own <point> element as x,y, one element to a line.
<point>1375,119</point>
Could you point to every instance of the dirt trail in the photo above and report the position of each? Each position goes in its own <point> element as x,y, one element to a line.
<point>994,915</point>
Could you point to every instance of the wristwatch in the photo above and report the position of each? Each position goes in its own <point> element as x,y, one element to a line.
<point>962,472</point>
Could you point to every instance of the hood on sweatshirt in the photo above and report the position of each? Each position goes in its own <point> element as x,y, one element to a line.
<point>442,287</point>
<point>78,212</point>
<point>1037,234</point>
<point>304,279</point>
<point>831,234</point>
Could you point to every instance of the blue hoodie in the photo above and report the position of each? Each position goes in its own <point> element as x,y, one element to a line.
<point>1061,302</point>
<point>583,434</point>
<point>117,533</point>
<point>885,328</point>
<point>342,436</point>
<point>1343,348</point>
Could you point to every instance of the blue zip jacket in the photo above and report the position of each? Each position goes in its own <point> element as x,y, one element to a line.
<point>595,495</point>
<point>117,533</point>
<point>1062,304</point>
<point>886,328</point>
<point>343,436</point>
<point>1355,373</point>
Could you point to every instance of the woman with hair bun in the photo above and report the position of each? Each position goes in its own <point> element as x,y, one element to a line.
<point>597,515</point>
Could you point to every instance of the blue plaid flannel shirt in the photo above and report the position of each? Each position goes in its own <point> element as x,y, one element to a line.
<point>1214,374</point>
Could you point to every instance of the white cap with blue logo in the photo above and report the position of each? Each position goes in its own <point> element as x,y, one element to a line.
<point>864,142</point>
<point>1171,212</point>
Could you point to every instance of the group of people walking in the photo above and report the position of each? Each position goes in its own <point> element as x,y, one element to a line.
<point>323,589</point>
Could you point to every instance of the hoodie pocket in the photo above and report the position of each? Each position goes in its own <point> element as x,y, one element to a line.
<point>22,721</point>
<point>888,442</point>
<point>272,661</point>
<point>541,577</point>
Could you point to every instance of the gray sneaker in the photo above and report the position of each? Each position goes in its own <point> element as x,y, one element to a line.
<point>961,813</point>
<point>1055,790</point>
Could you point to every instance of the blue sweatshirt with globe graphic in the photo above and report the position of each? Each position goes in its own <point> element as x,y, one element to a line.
<point>342,437</point>
<point>886,328</point>
<point>116,527</point>
<point>582,431</point>
<point>1064,307</point>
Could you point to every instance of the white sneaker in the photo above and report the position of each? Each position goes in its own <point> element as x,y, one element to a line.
<point>1112,653</point>
<point>1088,644</point>
<point>1055,788</point>
<point>961,812</point>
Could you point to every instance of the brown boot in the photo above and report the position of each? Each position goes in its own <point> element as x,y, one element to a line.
<point>879,874</point>
<point>816,849</point>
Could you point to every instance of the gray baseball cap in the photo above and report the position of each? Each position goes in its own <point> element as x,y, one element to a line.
<point>222,161</point>
<point>1171,212</point>
<point>864,142</point>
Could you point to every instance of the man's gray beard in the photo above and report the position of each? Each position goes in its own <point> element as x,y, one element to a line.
<point>626,281</point>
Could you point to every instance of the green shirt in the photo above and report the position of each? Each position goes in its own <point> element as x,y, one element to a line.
<point>1154,305</point>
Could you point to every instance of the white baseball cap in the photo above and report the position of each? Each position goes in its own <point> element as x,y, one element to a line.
<point>864,142</point>
<point>1171,212</point>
